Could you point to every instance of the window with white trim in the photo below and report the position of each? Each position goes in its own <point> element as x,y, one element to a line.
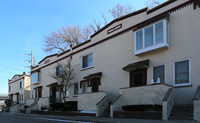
<point>21,84</point>
<point>182,72</point>
<point>67,91</point>
<point>9,88</point>
<point>87,61</point>
<point>159,74</point>
<point>151,37</point>
<point>35,77</point>
<point>84,87</point>
<point>75,89</point>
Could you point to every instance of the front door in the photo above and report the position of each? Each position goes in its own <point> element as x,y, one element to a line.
<point>138,78</point>
<point>53,94</point>
<point>95,85</point>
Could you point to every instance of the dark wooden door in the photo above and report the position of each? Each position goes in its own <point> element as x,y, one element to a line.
<point>138,78</point>
<point>95,85</point>
<point>53,95</point>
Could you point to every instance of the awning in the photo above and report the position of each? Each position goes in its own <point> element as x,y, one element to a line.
<point>137,65</point>
<point>16,93</point>
<point>52,84</point>
<point>94,75</point>
<point>39,87</point>
<point>10,95</point>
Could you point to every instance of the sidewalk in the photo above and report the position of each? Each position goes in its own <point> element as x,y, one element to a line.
<point>102,120</point>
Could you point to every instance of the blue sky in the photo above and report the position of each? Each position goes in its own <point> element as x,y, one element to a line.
<point>24,23</point>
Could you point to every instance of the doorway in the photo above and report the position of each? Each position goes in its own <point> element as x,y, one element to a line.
<point>138,78</point>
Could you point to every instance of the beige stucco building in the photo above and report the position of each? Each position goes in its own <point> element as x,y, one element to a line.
<point>149,57</point>
<point>19,90</point>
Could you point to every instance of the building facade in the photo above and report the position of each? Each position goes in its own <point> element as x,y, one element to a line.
<point>134,60</point>
<point>19,88</point>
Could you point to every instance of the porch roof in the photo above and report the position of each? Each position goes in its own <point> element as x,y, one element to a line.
<point>39,87</point>
<point>16,93</point>
<point>94,75</point>
<point>52,84</point>
<point>136,65</point>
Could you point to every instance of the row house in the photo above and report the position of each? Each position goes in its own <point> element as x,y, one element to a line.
<point>148,57</point>
<point>19,90</point>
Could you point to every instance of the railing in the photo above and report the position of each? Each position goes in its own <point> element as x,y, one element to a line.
<point>168,104</point>
<point>102,106</point>
<point>112,105</point>
<point>196,105</point>
<point>28,109</point>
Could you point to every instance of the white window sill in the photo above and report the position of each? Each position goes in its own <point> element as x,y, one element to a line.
<point>87,68</point>
<point>150,48</point>
<point>34,83</point>
<point>184,84</point>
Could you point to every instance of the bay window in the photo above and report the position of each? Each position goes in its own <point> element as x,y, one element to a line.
<point>151,37</point>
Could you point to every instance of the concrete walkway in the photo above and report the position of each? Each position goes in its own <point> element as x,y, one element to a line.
<point>102,120</point>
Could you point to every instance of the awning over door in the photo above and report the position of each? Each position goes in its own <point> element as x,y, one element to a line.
<point>137,65</point>
<point>52,84</point>
<point>16,93</point>
<point>39,87</point>
<point>94,75</point>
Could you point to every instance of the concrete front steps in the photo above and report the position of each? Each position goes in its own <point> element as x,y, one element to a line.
<point>138,114</point>
<point>182,113</point>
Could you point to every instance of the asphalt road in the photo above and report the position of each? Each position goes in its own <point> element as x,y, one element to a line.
<point>12,118</point>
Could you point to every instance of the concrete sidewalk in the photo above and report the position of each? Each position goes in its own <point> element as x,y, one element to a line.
<point>101,120</point>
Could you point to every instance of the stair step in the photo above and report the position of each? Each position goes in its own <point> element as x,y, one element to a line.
<point>182,113</point>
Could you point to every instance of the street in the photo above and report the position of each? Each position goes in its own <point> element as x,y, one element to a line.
<point>13,118</point>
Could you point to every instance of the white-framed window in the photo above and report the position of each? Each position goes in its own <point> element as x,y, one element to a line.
<point>151,37</point>
<point>21,84</point>
<point>59,70</point>
<point>159,74</point>
<point>182,72</point>
<point>84,87</point>
<point>35,77</point>
<point>75,89</point>
<point>67,91</point>
<point>9,88</point>
<point>87,61</point>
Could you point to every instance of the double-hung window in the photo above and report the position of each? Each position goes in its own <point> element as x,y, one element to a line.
<point>67,91</point>
<point>182,73</point>
<point>159,74</point>
<point>87,61</point>
<point>9,88</point>
<point>151,37</point>
<point>21,84</point>
<point>84,87</point>
<point>75,89</point>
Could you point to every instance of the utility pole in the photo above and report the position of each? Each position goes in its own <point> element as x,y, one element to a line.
<point>31,60</point>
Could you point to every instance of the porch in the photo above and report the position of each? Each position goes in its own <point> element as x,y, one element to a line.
<point>151,101</point>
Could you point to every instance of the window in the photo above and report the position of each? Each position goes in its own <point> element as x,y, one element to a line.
<point>32,94</point>
<point>151,37</point>
<point>35,77</point>
<point>87,61</point>
<point>84,87</point>
<point>9,88</point>
<point>67,91</point>
<point>59,70</point>
<point>21,84</point>
<point>76,89</point>
<point>21,97</point>
<point>182,72</point>
<point>159,74</point>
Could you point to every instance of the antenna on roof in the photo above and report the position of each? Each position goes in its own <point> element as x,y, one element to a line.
<point>31,60</point>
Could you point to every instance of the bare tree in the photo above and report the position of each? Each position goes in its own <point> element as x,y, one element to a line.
<point>95,26</point>
<point>63,76</point>
<point>153,3</point>
<point>120,10</point>
<point>65,37</point>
